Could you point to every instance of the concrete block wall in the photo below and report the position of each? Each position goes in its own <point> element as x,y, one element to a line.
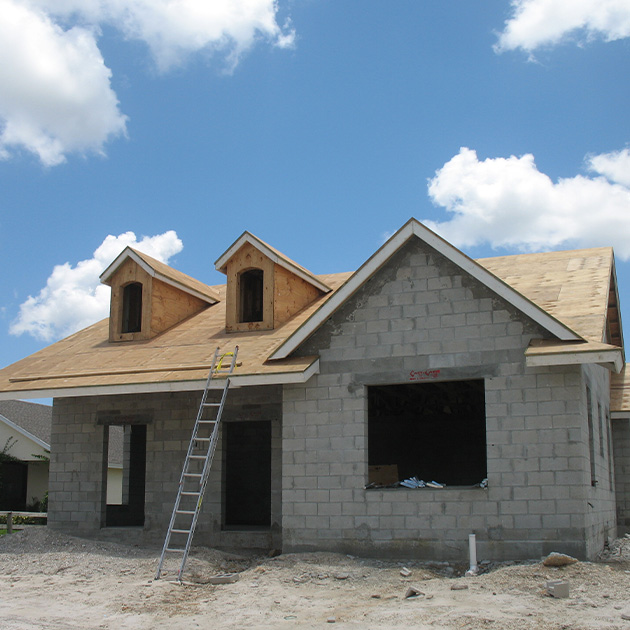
<point>420,316</point>
<point>75,487</point>
<point>77,479</point>
<point>621,442</point>
<point>601,517</point>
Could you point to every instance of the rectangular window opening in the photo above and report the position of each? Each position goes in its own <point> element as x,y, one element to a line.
<point>251,296</point>
<point>132,308</point>
<point>432,431</point>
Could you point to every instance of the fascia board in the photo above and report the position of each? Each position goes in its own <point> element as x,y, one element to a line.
<point>385,252</point>
<point>24,432</point>
<point>113,266</point>
<point>247,380</point>
<point>246,237</point>
<point>620,415</point>
<point>610,359</point>
<point>616,284</point>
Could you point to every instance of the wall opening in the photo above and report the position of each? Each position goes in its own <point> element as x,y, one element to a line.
<point>127,509</point>
<point>433,431</point>
<point>247,453</point>
<point>591,436</point>
<point>13,484</point>
<point>251,296</point>
<point>611,456</point>
<point>132,308</point>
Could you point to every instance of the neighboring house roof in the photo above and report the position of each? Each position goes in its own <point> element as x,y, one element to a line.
<point>163,272</point>
<point>31,418</point>
<point>115,451</point>
<point>567,293</point>
<point>34,421</point>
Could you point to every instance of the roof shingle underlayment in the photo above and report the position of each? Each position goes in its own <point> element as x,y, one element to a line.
<point>572,287</point>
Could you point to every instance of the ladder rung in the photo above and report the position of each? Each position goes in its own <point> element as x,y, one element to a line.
<point>192,475</point>
<point>211,404</point>
<point>197,457</point>
<point>198,439</point>
<point>183,512</point>
<point>175,550</point>
<point>207,422</point>
<point>180,531</point>
<point>191,494</point>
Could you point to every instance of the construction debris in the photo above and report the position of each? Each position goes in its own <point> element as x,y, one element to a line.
<point>412,591</point>
<point>555,559</point>
<point>224,578</point>
<point>558,589</point>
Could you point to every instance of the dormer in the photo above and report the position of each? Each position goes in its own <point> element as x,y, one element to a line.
<point>264,287</point>
<point>148,297</point>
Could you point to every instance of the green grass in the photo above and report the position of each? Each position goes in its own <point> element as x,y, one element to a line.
<point>3,531</point>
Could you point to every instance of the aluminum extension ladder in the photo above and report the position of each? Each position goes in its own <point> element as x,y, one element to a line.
<point>196,469</point>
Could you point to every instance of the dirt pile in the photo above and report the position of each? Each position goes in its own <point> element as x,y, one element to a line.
<point>59,582</point>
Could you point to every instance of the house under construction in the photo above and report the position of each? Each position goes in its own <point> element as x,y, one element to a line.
<point>389,411</point>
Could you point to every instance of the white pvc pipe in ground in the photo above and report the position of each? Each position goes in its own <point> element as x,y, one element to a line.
<point>472,552</point>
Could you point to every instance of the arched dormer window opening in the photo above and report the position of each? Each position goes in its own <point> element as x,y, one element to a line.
<point>251,296</point>
<point>132,308</point>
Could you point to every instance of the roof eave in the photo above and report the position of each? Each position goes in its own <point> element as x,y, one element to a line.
<point>611,359</point>
<point>244,380</point>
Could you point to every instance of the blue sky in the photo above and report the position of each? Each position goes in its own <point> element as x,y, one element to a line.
<point>319,125</point>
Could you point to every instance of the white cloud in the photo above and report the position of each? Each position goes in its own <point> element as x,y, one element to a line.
<point>55,91</point>
<point>537,23</point>
<point>55,94</point>
<point>73,297</point>
<point>508,202</point>
<point>614,166</point>
<point>173,29</point>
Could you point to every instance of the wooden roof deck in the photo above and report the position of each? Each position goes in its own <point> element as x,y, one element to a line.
<point>181,354</point>
<point>571,286</point>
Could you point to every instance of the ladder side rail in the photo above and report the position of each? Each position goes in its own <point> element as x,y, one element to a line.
<point>207,465</point>
<point>191,444</point>
<point>182,477</point>
<point>215,434</point>
<point>169,531</point>
<point>191,532</point>
<point>216,366</point>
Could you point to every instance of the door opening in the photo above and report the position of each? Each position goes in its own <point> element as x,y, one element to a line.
<point>125,497</point>
<point>247,452</point>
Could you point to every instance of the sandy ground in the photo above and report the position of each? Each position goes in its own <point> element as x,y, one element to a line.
<point>60,582</point>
